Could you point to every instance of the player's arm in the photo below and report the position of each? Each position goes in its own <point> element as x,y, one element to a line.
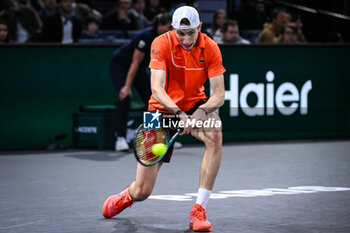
<point>215,101</point>
<point>158,78</point>
<point>137,58</point>
<point>216,80</point>
<point>217,97</point>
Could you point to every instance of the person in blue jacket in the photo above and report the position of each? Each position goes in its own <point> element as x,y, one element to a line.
<point>128,68</point>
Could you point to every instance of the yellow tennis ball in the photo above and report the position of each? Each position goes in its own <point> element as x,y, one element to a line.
<point>159,149</point>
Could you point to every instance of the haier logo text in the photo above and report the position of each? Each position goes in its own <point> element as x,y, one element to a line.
<point>266,103</point>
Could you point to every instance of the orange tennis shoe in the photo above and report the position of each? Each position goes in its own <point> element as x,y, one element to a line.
<point>198,221</point>
<point>116,203</point>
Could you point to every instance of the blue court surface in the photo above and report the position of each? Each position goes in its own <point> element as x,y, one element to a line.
<point>285,186</point>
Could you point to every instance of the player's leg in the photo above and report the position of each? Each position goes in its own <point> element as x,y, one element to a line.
<point>139,190</point>
<point>212,138</point>
<point>146,178</point>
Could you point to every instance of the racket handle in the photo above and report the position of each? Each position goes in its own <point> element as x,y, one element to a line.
<point>175,136</point>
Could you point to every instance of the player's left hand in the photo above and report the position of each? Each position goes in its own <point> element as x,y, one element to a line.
<point>199,115</point>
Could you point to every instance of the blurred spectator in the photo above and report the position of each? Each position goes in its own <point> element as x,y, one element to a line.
<point>334,37</point>
<point>37,5</point>
<point>83,12</point>
<point>296,20</point>
<point>252,15</point>
<point>129,68</point>
<point>136,13</point>
<point>289,34</point>
<point>63,27</point>
<point>3,32</point>
<point>22,21</point>
<point>153,8</point>
<point>119,18</point>
<point>272,31</point>
<point>219,19</point>
<point>230,34</point>
<point>50,8</point>
<point>91,29</point>
<point>91,3</point>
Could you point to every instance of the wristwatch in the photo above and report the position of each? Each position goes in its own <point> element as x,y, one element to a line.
<point>206,112</point>
<point>179,112</point>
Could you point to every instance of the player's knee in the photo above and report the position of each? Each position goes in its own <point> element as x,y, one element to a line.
<point>214,139</point>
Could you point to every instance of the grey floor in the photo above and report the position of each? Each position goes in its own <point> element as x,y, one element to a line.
<point>258,189</point>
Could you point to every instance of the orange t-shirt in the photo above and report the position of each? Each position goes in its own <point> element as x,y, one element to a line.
<point>186,71</point>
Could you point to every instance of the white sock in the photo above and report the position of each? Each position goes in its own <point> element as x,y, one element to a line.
<point>203,197</point>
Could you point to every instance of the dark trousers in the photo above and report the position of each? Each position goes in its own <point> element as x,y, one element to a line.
<point>141,83</point>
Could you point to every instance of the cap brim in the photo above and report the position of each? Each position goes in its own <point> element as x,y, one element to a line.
<point>184,27</point>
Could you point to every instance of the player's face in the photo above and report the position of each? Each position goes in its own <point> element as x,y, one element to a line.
<point>187,37</point>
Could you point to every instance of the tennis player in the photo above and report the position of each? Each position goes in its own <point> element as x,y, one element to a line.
<point>181,61</point>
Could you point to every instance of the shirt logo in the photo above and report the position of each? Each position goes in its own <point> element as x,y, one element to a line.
<point>201,60</point>
<point>154,52</point>
<point>151,120</point>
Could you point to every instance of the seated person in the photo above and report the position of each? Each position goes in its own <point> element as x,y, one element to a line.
<point>62,27</point>
<point>119,18</point>
<point>3,32</point>
<point>219,19</point>
<point>49,9</point>
<point>92,31</point>
<point>230,34</point>
<point>296,20</point>
<point>152,9</point>
<point>22,21</point>
<point>136,13</point>
<point>84,12</point>
<point>272,31</point>
<point>289,34</point>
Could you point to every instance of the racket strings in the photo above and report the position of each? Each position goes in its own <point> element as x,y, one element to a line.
<point>145,139</point>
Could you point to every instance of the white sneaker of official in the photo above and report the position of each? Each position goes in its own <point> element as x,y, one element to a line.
<point>121,144</point>
<point>177,145</point>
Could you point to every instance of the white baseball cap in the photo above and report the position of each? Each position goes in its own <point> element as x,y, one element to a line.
<point>186,12</point>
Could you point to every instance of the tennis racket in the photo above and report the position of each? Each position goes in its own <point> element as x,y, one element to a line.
<point>144,139</point>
